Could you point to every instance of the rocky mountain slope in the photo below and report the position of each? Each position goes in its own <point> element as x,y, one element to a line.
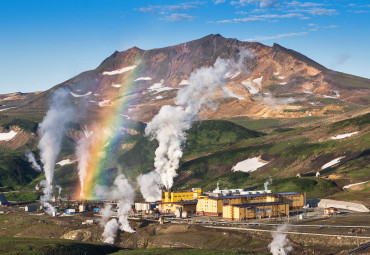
<point>280,107</point>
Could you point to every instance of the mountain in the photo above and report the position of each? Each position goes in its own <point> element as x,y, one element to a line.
<point>281,106</point>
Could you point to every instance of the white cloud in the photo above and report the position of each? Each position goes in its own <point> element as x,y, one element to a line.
<point>260,3</point>
<point>161,9</point>
<point>263,17</point>
<point>305,4</point>
<point>219,1</point>
<point>178,17</point>
<point>315,11</point>
<point>279,36</point>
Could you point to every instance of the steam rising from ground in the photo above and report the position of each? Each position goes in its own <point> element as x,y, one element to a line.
<point>149,186</point>
<point>51,130</point>
<point>31,158</point>
<point>267,183</point>
<point>84,156</point>
<point>168,127</point>
<point>59,189</point>
<point>280,244</point>
<point>122,192</point>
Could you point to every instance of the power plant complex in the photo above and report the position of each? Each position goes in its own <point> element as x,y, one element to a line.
<point>232,204</point>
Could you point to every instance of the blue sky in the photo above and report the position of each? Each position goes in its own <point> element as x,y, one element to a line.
<point>46,42</point>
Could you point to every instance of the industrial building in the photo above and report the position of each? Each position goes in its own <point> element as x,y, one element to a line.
<point>232,204</point>
<point>213,203</point>
<point>183,206</point>
<point>255,210</point>
<point>248,204</point>
<point>170,197</point>
<point>185,201</point>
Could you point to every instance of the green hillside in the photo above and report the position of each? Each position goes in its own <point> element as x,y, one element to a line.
<point>213,147</point>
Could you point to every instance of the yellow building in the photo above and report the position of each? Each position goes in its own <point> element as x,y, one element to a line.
<point>170,197</point>
<point>255,210</point>
<point>295,200</point>
<point>208,205</point>
<point>186,206</point>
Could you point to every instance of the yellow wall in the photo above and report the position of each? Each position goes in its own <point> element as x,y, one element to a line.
<point>231,212</point>
<point>171,207</point>
<point>296,202</point>
<point>180,196</point>
<point>209,206</point>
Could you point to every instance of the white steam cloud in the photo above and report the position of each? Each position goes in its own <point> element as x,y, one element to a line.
<point>267,183</point>
<point>280,244</point>
<point>31,158</point>
<point>122,192</point>
<point>59,189</point>
<point>51,130</point>
<point>168,127</point>
<point>149,186</point>
<point>110,231</point>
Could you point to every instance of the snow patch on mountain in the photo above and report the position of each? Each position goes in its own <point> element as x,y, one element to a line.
<point>249,165</point>
<point>103,103</point>
<point>64,162</point>
<point>77,95</point>
<point>337,95</point>
<point>184,82</point>
<point>8,136</point>
<point>354,184</point>
<point>119,71</point>
<point>331,163</point>
<point>143,79</point>
<point>258,81</point>
<point>250,87</point>
<point>158,87</point>
<point>232,75</point>
<point>230,93</point>
<point>342,136</point>
<point>1,110</point>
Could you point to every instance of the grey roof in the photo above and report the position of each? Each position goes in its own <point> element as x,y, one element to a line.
<point>288,193</point>
<point>259,204</point>
<point>238,196</point>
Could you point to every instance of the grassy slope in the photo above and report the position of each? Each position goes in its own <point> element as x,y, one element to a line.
<point>213,147</point>
<point>182,251</point>
<point>15,170</point>
<point>10,245</point>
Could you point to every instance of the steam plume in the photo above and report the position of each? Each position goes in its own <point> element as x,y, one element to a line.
<point>31,158</point>
<point>168,127</point>
<point>110,231</point>
<point>149,186</point>
<point>280,244</point>
<point>122,192</point>
<point>51,131</point>
<point>83,157</point>
<point>59,188</point>
<point>268,182</point>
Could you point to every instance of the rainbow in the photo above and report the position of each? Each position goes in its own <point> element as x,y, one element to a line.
<point>107,135</point>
